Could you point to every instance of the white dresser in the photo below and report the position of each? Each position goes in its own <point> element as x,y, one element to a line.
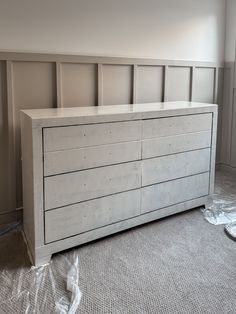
<point>92,171</point>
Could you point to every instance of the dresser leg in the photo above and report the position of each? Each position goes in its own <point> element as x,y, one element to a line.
<point>43,260</point>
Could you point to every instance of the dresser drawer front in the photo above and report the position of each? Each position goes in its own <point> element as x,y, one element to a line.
<point>175,144</point>
<point>90,157</point>
<point>176,125</point>
<point>165,168</point>
<point>173,192</point>
<point>65,189</point>
<point>71,220</point>
<point>70,137</point>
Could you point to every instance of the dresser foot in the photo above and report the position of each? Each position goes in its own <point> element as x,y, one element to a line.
<point>43,260</point>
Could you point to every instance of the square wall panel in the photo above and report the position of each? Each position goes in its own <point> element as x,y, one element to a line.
<point>79,84</point>
<point>150,83</point>
<point>179,83</point>
<point>34,87</point>
<point>204,85</point>
<point>116,84</point>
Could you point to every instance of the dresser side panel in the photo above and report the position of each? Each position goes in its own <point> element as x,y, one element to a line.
<point>32,169</point>
<point>27,175</point>
<point>38,185</point>
<point>213,151</point>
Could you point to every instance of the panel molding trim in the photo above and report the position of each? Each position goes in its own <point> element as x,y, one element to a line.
<point>45,57</point>
<point>36,80</point>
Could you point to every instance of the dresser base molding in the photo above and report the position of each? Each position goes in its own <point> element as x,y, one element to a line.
<point>42,255</point>
<point>36,259</point>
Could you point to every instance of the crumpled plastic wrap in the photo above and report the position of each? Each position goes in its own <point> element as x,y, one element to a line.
<point>220,210</point>
<point>221,206</point>
<point>52,288</point>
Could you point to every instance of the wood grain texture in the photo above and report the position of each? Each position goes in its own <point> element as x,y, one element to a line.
<point>83,185</point>
<point>176,125</point>
<point>167,145</point>
<point>213,152</point>
<point>32,163</point>
<point>175,166</point>
<point>173,192</point>
<point>71,137</point>
<point>113,228</point>
<point>71,220</point>
<point>90,157</point>
<point>28,181</point>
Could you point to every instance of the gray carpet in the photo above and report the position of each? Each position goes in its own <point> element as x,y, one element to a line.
<point>180,264</point>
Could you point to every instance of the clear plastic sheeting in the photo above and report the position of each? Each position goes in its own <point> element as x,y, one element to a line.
<point>221,207</point>
<point>220,210</point>
<point>63,306</point>
<point>52,288</point>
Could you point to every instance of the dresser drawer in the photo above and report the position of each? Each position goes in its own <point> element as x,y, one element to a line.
<point>69,188</point>
<point>90,157</point>
<point>176,125</point>
<point>175,144</point>
<point>165,168</point>
<point>173,192</point>
<point>70,137</point>
<point>71,220</point>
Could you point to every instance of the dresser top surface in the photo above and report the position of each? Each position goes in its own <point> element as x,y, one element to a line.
<point>93,114</point>
<point>115,109</point>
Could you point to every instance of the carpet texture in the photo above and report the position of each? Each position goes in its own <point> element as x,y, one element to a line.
<point>180,264</point>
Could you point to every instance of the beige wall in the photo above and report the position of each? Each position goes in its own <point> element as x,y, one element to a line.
<point>161,29</point>
<point>230,31</point>
<point>164,29</point>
